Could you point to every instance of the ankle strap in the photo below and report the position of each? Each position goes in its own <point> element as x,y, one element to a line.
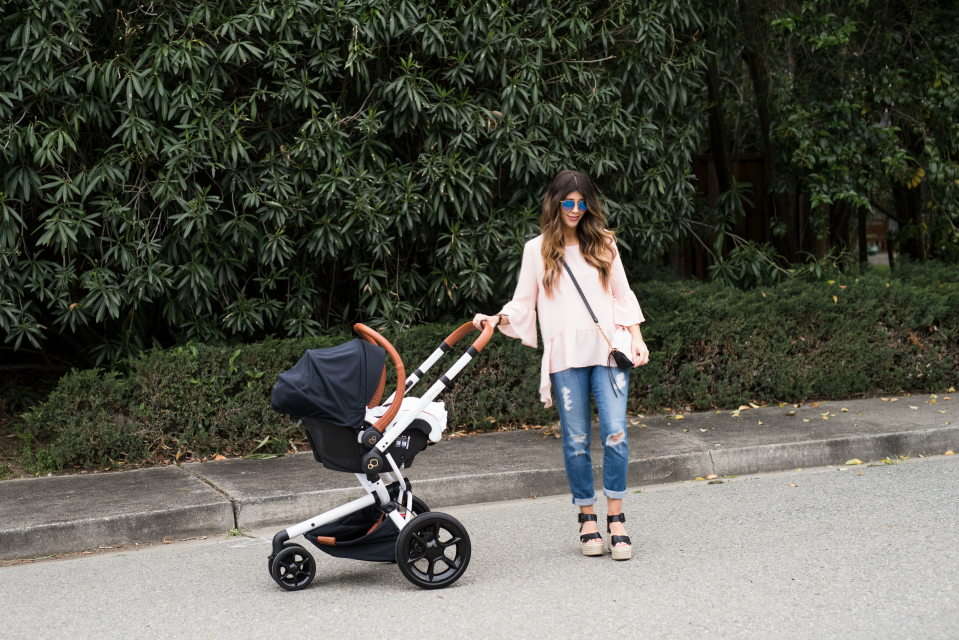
<point>587,517</point>
<point>617,518</point>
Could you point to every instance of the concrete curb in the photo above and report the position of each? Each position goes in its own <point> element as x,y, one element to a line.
<point>64,514</point>
<point>126,507</point>
<point>252,513</point>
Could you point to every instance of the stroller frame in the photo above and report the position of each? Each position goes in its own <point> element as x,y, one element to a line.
<point>396,492</point>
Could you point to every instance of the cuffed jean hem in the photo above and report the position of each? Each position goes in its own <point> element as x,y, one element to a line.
<point>586,502</point>
<point>614,495</point>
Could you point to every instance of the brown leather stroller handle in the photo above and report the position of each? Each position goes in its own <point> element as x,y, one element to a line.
<point>373,337</point>
<point>466,329</point>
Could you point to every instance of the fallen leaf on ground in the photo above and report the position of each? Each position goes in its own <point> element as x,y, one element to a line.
<point>853,461</point>
<point>715,482</point>
<point>912,407</point>
<point>704,430</point>
<point>735,413</point>
<point>219,457</point>
<point>805,419</point>
<point>941,411</point>
<point>753,405</point>
<point>685,430</point>
<point>885,399</point>
<point>893,399</point>
<point>799,469</point>
<point>824,414</point>
<point>711,476</point>
<point>698,478</point>
<point>677,417</point>
<point>950,453</point>
<point>742,407</point>
<point>946,398</point>
<point>951,390</point>
<point>844,410</point>
<point>792,485</point>
<point>815,404</point>
<point>858,473</point>
<point>761,422</point>
<point>932,402</point>
<point>790,413</point>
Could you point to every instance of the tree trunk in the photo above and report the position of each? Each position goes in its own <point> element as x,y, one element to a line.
<point>718,137</point>
<point>861,235</point>
<point>752,28</point>
<point>909,211</point>
<point>839,215</point>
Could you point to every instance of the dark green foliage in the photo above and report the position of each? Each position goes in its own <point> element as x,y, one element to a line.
<point>204,171</point>
<point>711,346</point>
<point>718,346</point>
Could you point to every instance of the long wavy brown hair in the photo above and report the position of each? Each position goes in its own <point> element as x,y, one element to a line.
<point>595,240</point>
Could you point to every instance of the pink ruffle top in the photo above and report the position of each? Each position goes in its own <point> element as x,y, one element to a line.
<point>570,339</point>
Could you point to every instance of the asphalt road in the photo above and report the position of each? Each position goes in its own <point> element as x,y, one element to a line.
<point>841,555</point>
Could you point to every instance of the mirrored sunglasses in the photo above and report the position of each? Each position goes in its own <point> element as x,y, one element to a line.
<point>570,205</point>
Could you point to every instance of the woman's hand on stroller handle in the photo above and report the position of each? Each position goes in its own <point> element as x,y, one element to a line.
<point>495,320</point>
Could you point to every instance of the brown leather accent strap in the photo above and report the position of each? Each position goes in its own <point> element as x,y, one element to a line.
<point>379,390</point>
<point>328,541</point>
<point>372,336</point>
<point>468,328</point>
<point>454,337</point>
<point>382,385</point>
<point>376,524</point>
<point>484,338</point>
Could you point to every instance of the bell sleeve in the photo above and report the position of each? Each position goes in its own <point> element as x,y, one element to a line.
<point>522,308</point>
<point>626,311</point>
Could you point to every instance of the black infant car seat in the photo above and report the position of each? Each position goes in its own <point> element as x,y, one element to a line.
<point>321,392</point>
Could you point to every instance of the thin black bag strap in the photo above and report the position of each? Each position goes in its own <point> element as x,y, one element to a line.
<point>588,308</point>
<point>581,294</point>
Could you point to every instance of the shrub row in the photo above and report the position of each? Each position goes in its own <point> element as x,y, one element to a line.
<point>711,346</point>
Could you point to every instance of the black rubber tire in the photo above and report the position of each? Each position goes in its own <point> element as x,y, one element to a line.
<point>293,568</point>
<point>428,540</point>
<point>419,507</point>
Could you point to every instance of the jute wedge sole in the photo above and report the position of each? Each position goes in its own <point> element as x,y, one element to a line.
<point>593,547</point>
<point>622,553</point>
<point>592,543</point>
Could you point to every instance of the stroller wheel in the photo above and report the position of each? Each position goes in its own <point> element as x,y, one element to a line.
<point>433,550</point>
<point>293,568</point>
<point>419,507</point>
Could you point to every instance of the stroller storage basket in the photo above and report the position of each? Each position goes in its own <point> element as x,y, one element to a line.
<point>364,535</point>
<point>338,448</point>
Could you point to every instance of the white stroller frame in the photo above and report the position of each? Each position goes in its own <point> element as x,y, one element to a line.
<point>396,422</point>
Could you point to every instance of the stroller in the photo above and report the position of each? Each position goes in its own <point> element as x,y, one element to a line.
<point>335,394</point>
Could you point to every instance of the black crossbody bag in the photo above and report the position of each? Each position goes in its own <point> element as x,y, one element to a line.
<point>622,360</point>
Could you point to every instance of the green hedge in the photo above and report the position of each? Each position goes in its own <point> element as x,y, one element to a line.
<point>225,170</point>
<point>711,346</point>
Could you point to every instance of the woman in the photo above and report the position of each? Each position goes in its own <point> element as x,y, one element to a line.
<point>577,357</point>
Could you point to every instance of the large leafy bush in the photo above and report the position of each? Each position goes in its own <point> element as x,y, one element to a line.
<point>183,170</point>
<point>711,346</point>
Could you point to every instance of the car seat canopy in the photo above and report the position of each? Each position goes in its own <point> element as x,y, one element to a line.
<point>334,384</point>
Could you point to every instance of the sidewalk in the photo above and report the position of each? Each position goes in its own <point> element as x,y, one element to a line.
<point>61,514</point>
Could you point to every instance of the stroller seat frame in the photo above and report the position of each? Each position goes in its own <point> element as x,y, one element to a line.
<point>394,496</point>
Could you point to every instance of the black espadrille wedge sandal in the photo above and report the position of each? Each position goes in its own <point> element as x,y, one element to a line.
<point>619,553</point>
<point>592,543</point>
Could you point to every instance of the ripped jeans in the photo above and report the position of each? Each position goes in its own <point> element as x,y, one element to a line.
<point>572,389</point>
